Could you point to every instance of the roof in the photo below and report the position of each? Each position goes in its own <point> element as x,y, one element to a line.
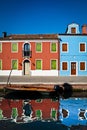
<point>30,37</point>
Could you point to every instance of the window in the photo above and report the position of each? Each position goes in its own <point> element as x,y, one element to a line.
<point>73,30</point>
<point>0,64</point>
<point>53,113</point>
<point>39,100</point>
<point>38,64</point>
<point>38,47</point>
<point>14,64</point>
<point>82,65</point>
<point>53,47</point>
<point>64,47</point>
<point>0,47</point>
<point>38,114</point>
<point>64,66</point>
<point>53,65</point>
<point>82,47</point>
<point>26,50</point>
<point>14,47</point>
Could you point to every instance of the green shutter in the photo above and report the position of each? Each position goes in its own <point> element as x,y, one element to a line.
<point>53,114</point>
<point>38,114</point>
<point>0,64</point>
<point>38,47</point>
<point>14,64</point>
<point>1,115</point>
<point>53,64</point>
<point>14,47</point>
<point>38,64</point>
<point>53,47</point>
<point>14,113</point>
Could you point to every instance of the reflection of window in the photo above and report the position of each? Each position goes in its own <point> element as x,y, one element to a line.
<point>38,100</point>
<point>0,64</point>
<point>38,114</point>
<point>14,64</point>
<point>53,113</point>
<point>82,47</point>
<point>53,65</point>
<point>26,51</point>
<point>14,47</point>
<point>0,47</point>
<point>14,113</point>
<point>38,64</point>
<point>64,47</point>
<point>64,65</point>
<point>82,65</point>
<point>73,30</point>
<point>38,47</point>
<point>53,47</point>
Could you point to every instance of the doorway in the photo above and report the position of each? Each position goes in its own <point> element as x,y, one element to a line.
<point>73,68</point>
<point>26,67</point>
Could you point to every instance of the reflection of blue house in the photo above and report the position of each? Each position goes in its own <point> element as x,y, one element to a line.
<point>73,51</point>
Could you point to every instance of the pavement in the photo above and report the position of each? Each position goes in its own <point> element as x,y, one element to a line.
<point>44,79</point>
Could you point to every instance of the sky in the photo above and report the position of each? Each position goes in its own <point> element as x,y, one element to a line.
<point>41,16</point>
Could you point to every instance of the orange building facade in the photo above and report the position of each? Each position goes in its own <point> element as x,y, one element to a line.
<point>33,55</point>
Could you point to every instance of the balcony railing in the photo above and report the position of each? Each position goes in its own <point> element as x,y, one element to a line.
<point>27,53</point>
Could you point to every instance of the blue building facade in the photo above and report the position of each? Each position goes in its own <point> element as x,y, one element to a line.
<point>73,51</point>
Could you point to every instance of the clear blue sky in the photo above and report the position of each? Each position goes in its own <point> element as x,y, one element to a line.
<point>40,16</point>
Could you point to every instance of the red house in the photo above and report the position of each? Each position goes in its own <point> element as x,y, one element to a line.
<point>33,55</point>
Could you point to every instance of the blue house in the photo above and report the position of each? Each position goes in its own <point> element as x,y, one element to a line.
<point>73,51</point>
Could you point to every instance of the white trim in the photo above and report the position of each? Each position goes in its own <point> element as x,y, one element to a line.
<point>25,43</point>
<point>44,40</point>
<point>56,47</point>
<point>41,64</point>
<point>67,47</point>
<point>79,65</point>
<point>44,73</point>
<point>17,47</point>
<point>76,68</point>
<point>79,47</point>
<point>56,64</point>
<point>14,72</point>
<point>41,47</point>
<point>1,47</point>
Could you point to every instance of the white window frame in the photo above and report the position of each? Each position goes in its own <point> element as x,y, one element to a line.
<point>41,47</point>
<point>41,64</point>
<point>17,47</point>
<point>85,47</point>
<point>11,64</point>
<point>67,47</point>
<point>56,47</point>
<point>85,65</point>
<point>56,64</point>
<point>67,66</point>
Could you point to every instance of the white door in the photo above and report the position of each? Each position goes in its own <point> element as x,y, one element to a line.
<point>26,67</point>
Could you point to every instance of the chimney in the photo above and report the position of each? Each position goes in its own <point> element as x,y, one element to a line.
<point>84,29</point>
<point>4,34</point>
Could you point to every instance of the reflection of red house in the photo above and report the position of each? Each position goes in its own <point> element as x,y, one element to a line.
<point>44,105</point>
<point>6,106</point>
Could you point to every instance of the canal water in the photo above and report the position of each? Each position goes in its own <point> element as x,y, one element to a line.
<point>35,111</point>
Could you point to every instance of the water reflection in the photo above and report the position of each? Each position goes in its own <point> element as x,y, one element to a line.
<point>43,113</point>
<point>46,111</point>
